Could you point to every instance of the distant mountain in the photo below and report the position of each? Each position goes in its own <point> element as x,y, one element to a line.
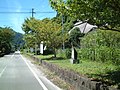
<point>18,41</point>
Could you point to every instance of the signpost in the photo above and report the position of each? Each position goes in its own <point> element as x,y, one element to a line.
<point>74,59</point>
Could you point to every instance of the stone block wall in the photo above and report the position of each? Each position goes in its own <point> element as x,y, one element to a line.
<point>79,82</point>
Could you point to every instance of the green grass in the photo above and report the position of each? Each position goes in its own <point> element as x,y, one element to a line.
<point>43,57</point>
<point>85,67</point>
<point>99,71</point>
<point>104,72</point>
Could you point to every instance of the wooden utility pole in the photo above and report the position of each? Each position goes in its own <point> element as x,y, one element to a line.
<point>33,12</point>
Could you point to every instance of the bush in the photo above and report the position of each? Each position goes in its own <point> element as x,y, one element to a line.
<point>68,53</point>
<point>61,53</point>
<point>38,52</point>
<point>101,38</point>
<point>101,46</point>
<point>102,54</point>
<point>1,54</point>
<point>48,51</point>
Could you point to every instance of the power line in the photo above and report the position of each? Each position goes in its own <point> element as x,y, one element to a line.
<point>14,12</point>
<point>11,8</point>
<point>26,12</point>
<point>32,12</point>
<point>22,12</point>
<point>45,12</point>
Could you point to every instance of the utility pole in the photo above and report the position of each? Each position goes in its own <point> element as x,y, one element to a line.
<point>33,12</point>
<point>63,31</point>
<point>34,32</point>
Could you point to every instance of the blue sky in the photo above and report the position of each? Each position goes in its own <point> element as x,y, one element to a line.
<point>14,20</point>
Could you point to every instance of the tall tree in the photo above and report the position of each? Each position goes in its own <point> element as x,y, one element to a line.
<point>99,12</point>
<point>45,30</point>
<point>6,37</point>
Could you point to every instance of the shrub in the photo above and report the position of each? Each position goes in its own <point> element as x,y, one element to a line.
<point>48,51</point>
<point>101,45</point>
<point>61,53</point>
<point>68,53</point>
<point>101,38</point>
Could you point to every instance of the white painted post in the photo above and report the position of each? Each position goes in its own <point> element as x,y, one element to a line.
<point>41,47</point>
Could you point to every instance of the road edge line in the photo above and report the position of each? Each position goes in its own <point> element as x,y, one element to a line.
<point>35,75</point>
<point>3,71</point>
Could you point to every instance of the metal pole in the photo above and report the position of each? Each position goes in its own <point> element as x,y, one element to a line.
<point>63,33</point>
<point>34,32</point>
<point>35,45</point>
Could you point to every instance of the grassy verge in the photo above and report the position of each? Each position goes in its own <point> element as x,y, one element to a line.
<point>96,71</point>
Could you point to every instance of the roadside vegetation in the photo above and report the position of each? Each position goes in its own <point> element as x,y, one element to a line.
<point>98,50</point>
<point>6,36</point>
<point>106,72</point>
<point>10,40</point>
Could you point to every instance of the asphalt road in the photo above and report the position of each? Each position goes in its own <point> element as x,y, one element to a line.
<point>17,73</point>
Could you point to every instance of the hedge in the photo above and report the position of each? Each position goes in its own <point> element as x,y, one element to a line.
<point>101,45</point>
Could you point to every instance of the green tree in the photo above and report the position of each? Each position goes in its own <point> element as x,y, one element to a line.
<point>29,28</point>
<point>6,37</point>
<point>99,12</point>
<point>45,30</point>
<point>74,37</point>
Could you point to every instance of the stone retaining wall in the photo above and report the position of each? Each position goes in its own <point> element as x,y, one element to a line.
<point>79,82</point>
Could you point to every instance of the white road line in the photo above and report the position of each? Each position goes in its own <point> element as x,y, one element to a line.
<point>40,82</point>
<point>5,67</point>
<point>3,71</point>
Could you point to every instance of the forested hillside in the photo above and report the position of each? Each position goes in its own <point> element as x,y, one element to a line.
<point>9,40</point>
<point>18,41</point>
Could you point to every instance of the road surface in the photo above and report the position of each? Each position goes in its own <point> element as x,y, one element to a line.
<point>17,73</point>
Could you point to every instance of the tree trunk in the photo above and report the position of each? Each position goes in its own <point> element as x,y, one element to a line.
<point>54,52</point>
